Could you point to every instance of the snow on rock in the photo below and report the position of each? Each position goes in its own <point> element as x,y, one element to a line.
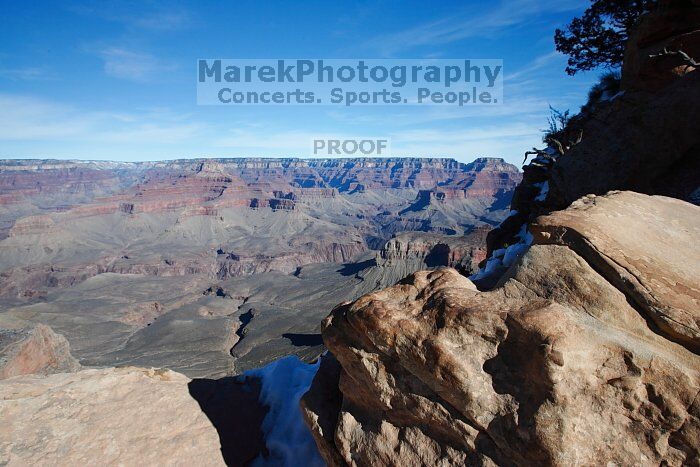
<point>505,257</point>
<point>516,250</point>
<point>491,266</point>
<point>287,437</point>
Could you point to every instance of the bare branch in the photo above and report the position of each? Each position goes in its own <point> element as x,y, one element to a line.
<point>534,152</point>
<point>677,53</point>
<point>559,147</point>
<point>553,142</point>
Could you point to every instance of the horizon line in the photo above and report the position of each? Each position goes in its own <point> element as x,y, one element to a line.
<point>235,158</point>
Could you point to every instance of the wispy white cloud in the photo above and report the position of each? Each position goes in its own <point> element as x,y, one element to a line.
<point>162,21</point>
<point>25,74</point>
<point>26,118</point>
<point>158,132</point>
<point>134,66</point>
<point>464,144</point>
<point>492,20</point>
<point>29,118</point>
<point>147,16</point>
<point>535,65</point>
<point>515,106</point>
<point>263,140</point>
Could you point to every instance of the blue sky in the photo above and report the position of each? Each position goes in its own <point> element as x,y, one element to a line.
<point>117,80</point>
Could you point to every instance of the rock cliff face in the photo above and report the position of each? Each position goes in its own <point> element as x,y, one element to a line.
<point>420,250</point>
<point>275,183</point>
<point>232,264</point>
<point>675,27</point>
<point>645,139</point>
<point>655,139</point>
<point>579,356</point>
<point>125,416</point>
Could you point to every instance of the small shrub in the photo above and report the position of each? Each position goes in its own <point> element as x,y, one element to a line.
<point>607,86</point>
<point>558,121</point>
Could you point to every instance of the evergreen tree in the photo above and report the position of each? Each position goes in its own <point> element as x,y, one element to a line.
<point>598,37</point>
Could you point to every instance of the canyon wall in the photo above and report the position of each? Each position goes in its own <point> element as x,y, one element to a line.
<point>62,222</point>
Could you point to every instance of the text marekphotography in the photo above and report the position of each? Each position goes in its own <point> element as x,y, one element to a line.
<point>455,82</point>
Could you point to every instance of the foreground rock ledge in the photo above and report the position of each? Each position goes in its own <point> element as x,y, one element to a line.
<point>112,416</point>
<point>556,366</point>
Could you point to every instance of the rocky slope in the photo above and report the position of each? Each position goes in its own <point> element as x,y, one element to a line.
<point>211,328</point>
<point>645,138</point>
<point>561,364</point>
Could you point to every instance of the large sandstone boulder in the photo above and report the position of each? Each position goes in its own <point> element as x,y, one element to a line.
<point>113,416</point>
<point>637,242</point>
<point>555,366</point>
<point>34,350</point>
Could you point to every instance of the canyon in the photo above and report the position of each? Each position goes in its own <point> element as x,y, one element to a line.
<point>215,266</point>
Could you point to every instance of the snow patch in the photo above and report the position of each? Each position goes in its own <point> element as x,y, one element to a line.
<point>525,236</point>
<point>492,265</point>
<point>287,437</point>
<point>514,252</point>
<point>505,257</point>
